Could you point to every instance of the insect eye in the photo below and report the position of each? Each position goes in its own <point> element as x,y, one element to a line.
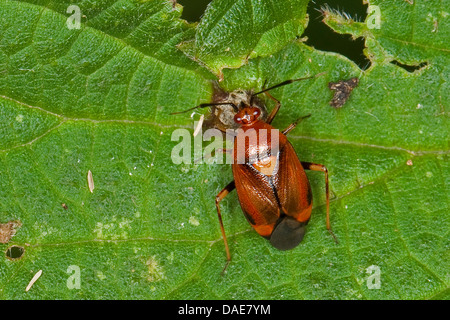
<point>256,112</point>
<point>237,119</point>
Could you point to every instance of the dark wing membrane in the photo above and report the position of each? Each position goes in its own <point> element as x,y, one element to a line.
<point>292,186</point>
<point>256,195</point>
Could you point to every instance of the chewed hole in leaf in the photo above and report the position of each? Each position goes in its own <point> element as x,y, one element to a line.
<point>322,37</point>
<point>14,252</point>
<point>193,10</point>
<point>410,68</point>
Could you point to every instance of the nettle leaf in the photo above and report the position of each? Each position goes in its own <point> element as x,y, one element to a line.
<point>98,99</point>
<point>231,31</point>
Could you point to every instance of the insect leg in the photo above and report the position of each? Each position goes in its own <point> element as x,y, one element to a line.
<point>220,196</point>
<point>293,125</point>
<point>274,112</point>
<point>320,167</point>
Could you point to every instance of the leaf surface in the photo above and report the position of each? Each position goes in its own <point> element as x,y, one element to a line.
<point>98,98</point>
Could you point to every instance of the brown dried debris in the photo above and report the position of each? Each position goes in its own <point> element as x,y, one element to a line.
<point>342,90</point>
<point>8,230</point>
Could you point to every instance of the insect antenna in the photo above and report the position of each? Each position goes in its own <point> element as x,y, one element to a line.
<point>205,105</point>
<point>288,82</point>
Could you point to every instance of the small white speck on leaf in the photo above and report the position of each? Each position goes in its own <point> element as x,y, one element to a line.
<point>194,221</point>
<point>100,275</point>
<point>199,125</point>
<point>90,181</point>
<point>155,270</point>
<point>33,280</point>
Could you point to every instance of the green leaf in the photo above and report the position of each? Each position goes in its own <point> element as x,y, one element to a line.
<point>98,99</point>
<point>231,32</point>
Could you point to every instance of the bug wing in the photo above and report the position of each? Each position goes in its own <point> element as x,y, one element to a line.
<point>257,198</point>
<point>292,185</point>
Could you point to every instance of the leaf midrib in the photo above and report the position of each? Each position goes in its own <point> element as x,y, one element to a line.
<point>65,119</point>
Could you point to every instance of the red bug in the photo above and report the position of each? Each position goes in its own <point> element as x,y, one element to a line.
<point>272,186</point>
